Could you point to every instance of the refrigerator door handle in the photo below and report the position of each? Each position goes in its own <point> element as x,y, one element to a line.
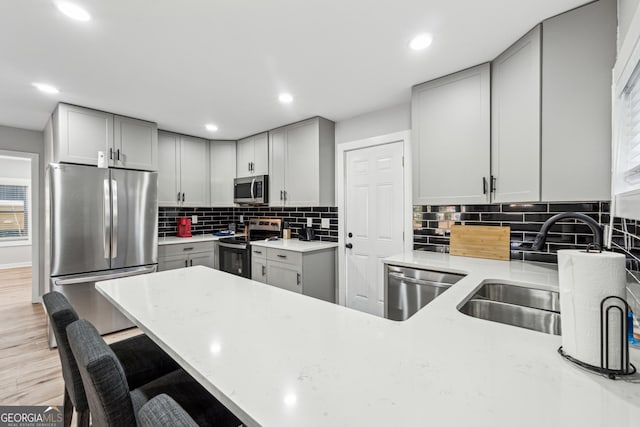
<point>106,215</point>
<point>99,277</point>
<point>114,221</point>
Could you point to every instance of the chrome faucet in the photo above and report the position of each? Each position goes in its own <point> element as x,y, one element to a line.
<point>538,243</point>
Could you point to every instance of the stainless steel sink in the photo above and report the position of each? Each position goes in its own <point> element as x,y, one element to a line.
<point>529,308</point>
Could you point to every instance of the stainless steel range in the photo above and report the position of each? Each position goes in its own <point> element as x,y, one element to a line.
<point>235,252</point>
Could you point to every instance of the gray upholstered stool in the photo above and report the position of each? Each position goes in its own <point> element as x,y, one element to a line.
<point>111,401</point>
<point>163,411</point>
<point>141,359</point>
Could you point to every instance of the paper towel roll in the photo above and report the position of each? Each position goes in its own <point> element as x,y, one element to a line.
<point>585,279</point>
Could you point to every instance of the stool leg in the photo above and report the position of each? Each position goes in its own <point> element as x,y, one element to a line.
<point>67,409</point>
<point>83,419</point>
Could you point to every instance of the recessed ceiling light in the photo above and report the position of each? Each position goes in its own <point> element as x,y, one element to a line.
<point>421,41</point>
<point>285,98</point>
<point>211,128</point>
<point>45,88</point>
<point>73,11</point>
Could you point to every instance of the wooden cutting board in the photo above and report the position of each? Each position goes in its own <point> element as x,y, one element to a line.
<point>481,241</point>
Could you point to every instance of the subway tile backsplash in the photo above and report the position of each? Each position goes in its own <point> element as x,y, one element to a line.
<point>432,225</point>
<point>215,219</point>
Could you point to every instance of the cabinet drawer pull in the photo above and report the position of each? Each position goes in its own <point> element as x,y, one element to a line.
<point>187,249</point>
<point>282,256</point>
<point>257,252</point>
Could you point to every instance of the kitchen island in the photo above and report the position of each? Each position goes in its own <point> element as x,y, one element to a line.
<point>277,358</point>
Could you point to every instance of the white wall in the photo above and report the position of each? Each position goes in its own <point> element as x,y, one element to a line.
<point>29,141</point>
<point>15,255</point>
<point>626,10</point>
<point>375,123</point>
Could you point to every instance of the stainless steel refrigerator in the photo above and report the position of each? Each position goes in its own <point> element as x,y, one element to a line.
<point>101,224</point>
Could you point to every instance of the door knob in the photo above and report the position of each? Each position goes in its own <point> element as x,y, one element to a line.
<point>349,246</point>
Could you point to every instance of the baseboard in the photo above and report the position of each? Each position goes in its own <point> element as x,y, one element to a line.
<point>16,265</point>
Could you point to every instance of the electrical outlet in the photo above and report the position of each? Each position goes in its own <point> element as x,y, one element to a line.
<point>309,222</point>
<point>241,218</point>
<point>194,219</point>
<point>324,223</point>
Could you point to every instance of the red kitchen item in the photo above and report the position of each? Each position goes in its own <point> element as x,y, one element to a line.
<point>184,227</point>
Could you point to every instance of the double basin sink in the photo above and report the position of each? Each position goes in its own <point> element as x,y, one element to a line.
<point>529,308</point>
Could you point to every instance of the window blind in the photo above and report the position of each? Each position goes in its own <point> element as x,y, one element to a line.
<point>14,212</point>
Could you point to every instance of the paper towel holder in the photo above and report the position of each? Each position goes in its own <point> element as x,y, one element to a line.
<point>619,305</point>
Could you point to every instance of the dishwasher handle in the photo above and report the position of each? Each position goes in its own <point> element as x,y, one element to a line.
<point>401,276</point>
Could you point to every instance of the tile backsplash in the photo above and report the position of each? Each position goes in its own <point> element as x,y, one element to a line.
<point>432,225</point>
<point>214,219</point>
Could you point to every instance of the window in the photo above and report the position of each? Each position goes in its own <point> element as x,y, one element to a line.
<point>14,210</point>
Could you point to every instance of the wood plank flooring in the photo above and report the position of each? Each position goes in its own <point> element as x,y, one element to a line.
<point>30,372</point>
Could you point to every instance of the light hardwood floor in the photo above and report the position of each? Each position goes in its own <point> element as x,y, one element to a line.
<point>30,372</point>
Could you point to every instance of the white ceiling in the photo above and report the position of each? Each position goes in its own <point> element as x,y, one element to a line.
<point>184,63</point>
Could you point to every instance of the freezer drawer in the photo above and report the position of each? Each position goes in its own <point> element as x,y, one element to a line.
<point>89,304</point>
<point>407,290</point>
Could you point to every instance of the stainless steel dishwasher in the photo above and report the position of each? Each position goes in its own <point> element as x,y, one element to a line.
<point>407,290</point>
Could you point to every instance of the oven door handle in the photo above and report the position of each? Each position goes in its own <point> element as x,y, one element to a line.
<point>232,245</point>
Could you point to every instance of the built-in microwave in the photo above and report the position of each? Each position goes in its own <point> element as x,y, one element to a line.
<point>252,190</point>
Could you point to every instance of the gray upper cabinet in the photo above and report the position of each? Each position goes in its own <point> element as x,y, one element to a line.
<point>515,122</point>
<point>451,138</point>
<point>302,164</point>
<point>183,170</point>
<point>578,53</point>
<point>80,133</point>
<point>253,155</point>
<point>136,144</point>
<point>222,172</point>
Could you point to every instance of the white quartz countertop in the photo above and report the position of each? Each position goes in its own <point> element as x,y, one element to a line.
<point>173,240</point>
<point>277,358</point>
<point>295,245</point>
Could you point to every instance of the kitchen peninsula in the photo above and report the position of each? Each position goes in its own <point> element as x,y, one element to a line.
<point>277,358</point>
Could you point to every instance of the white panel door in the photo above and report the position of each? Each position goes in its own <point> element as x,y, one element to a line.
<point>168,169</point>
<point>244,157</point>
<point>374,206</point>
<point>136,143</point>
<point>260,160</point>
<point>451,138</point>
<point>277,146</point>
<point>194,171</point>
<point>301,169</point>
<point>223,171</point>
<point>515,115</point>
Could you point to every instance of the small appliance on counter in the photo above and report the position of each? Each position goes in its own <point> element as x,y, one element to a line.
<point>307,234</point>
<point>286,231</point>
<point>183,228</point>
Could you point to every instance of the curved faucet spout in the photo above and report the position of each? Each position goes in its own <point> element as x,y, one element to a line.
<point>538,243</point>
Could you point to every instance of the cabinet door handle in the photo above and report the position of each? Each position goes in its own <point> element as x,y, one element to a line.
<point>191,263</point>
<point>493,183</point>
<point>263,270</point>
<point>178,197</point>
<point>285,195</point>
<point>281,195</point>
<point>110,153</point>
<point>484,185</point>
<point>182,197</point>
<point>249,166</point>
<point>186,263</point>
<point>299,278</point>
<point>282,256</point>
<point>118,154</point>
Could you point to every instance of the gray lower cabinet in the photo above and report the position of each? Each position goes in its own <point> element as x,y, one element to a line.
<point>180,255</point>
<point>307,273</point>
